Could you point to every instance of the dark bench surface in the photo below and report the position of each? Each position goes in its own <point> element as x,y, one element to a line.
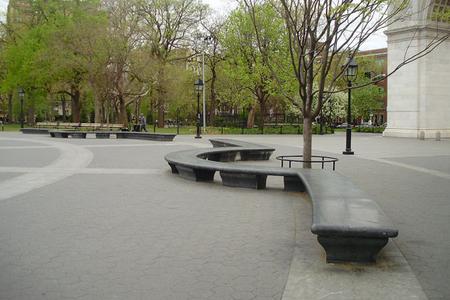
<point>119,134</point>
<point>350,226</point>
<point>237,143</point>
<point>35,130</point>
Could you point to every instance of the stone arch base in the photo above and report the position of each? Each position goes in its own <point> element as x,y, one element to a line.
<point>418,93</point>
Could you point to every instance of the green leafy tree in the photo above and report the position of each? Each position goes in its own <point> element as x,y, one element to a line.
<point>248,51</point>
<point>167,29</point>
<point>321,35</point>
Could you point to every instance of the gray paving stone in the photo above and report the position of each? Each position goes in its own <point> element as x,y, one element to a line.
<point>157,236</point>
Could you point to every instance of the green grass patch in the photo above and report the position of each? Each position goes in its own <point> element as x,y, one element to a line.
<point>275,129</point>
<point>10,127</point>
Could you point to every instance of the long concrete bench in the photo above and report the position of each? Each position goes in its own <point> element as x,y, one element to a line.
<point>348,225</point>
<point>67,133</point>
<point>85,126</point>
<point>107,134</point>
<point>34,130</point>
<point>145,136</point>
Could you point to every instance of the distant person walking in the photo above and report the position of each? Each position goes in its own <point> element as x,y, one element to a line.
<point>142,123</point>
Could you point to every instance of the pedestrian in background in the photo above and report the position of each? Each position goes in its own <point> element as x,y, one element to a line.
<point>143,122</point>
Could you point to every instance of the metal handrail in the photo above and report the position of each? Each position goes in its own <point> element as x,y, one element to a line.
<point>322,160</point>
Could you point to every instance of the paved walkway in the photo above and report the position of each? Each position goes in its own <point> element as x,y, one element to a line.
<point>92,219</point>
<point>105,219</point>
<point>410,179</point>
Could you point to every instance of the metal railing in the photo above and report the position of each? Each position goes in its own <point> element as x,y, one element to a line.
<point>298,159</point>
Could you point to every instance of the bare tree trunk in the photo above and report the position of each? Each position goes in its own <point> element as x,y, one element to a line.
<point>261,97</point>
<point>307,141</point>
<point>262,111</point>
<point>31,111</point>
<point>76,104</point>
<point>97,107</point>
<point>123,118</point>
<point>106,111</point>
<point>251,117</point>
<point>98,111</point>
<point>161,115</point>
<point>63,106</point>
<point>10,108</point>
<point>161,95</point>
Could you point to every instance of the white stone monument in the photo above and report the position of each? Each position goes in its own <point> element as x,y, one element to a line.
<point>419,93</point>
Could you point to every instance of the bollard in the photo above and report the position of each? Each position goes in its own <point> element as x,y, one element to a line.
<point>438,136</point>
<point>178,121</point>
<point>3,127</point>
<point>421,135</point>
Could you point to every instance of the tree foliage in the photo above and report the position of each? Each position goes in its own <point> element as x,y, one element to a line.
<point>118,58</point>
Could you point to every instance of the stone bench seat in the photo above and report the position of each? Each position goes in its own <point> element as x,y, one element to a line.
<point>107,134</point>
<point>145,136</point>
<point>65,134</point>
<point>348,224</point>
<point>34,130</point>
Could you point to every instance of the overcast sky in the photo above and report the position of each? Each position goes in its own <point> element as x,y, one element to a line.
<point>224,6</point>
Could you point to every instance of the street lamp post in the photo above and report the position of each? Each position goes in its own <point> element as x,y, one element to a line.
<point>351,69</point>
<point>206,41</point>
<point>198,88</point>
<point>21,96</point>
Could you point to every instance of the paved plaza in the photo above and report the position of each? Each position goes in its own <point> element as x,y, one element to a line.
<point>106,219</point>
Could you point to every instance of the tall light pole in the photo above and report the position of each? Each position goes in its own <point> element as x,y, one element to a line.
<point>206,41</point>
<point>198,88</point>
<point>203,91</point>
<point>21,96</point>
<point>351,69</point>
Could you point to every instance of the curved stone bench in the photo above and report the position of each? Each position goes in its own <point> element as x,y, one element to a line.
<point>107,134</point>
<point>348,225</point>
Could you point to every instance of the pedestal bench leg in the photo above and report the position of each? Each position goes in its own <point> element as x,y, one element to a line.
<point>351,249</point>
<point>293,184</point>
<point>195,174</point>
<point>244,180</point>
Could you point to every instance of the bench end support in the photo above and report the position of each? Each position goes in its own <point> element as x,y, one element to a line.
<point>351,249</point>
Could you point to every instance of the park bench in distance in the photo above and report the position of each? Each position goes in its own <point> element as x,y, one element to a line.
<point>107,134</point>
<point>35,130</point>
<point>349,225</point>
<point>83,126</point>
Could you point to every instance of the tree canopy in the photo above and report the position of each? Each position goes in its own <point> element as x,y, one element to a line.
<point>115,59</point>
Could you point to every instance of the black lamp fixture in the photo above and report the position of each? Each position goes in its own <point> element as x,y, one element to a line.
<point>21,96</point>
<point>351,71</point>
<point>198,88</point>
